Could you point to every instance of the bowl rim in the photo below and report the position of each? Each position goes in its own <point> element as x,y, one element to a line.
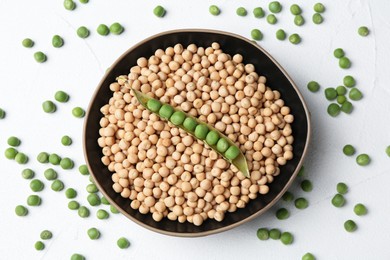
<point>225,228</point>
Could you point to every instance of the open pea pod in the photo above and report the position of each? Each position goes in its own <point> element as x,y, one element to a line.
<point>232,153</point>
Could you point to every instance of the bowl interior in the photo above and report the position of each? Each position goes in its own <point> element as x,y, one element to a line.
<point>277,79</point>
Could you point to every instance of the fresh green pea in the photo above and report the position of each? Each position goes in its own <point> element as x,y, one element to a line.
<point>347,107</point>
<point>91,188</point>
<point>301,172</point>
<point>21,210</point>
<point>363,31</point>
<point>77,257</point>
<point>70,193</point>
<point>69,5</point>
<point>317,18</point>
<point>102,214</point>
<point>319,8</point>
<point>281,35</point>
<point>387,150</point>
<point>308,256</point>
<point>57,41</point>
<point>274,234</point>
<point>214,10</point>
<point>39,245</point>
<point>342,188</point>
<point>189,124</point>
<point>27,43</point>
<point>93,233</point>
<point>159,11</point>
<point>93,199</point>
<point>105,201</point>
<point>339,53</point>
<point>91,179</point>
<point>282,213</point>
<point>57,185</point>
<point>212,138</point>
<point>28,174</point>
<point>348,150</point>
<point>66,140</point>
<point>2,113</point>
<point>84,1</point>
<point>40,57</point>
<point>49,107</point>
<point>275,7</point>
<point>116,28</point>
<point>258,12</point>
<point>154,105</point>
<point>83,169</point>
<point>341,90</point>
<point>256,34</point>
<point>177,118</point>
<point>301,203</point>
<point>36,185</point>
<point>13,141</point>
<point>360,209</point>
<point>113,210</point>
<point>21,158</point>
<point>201,132</point>
<point>78,112</point>
<point>33,200</point>
<point>241,11</point>
<point>330,93</point>
<point>83,212</point>
<point>73,205</point>
<point>294,38</point>
<point>333,109</point>
<point>262,234</point>
<point>66,163</point>
<point>232,152</point>
<point>299,20</point>
<point>82,32</point>
<point>363,159</point>
<point>355,94</point>
<point>166,111</point>
<point>341,99</point>
<point>10,153</point>
<point>344,63</point>
<point>43,157</point>
<point>288,196</point>
<point>271,19</point>
<point>286,238</point>
<point>123,243</point>
<point>50,174</point>
<point>349,81</point>
<point>54,159</point>
<point>103,29</point>
<point>222,145</point>
<point>61,96</point>
<point>338,200</point>
<point>46,234</point>
<point>295,9</point>
<point>350,226</point>
<point>306,186</point>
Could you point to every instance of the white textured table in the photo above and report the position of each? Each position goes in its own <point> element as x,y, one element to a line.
<point>77,68</point>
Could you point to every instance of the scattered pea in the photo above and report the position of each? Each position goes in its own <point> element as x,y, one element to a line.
<point>54,159</point>
<point>46,234</point>
<point>308,256</point>
<point>73,205</point>
<point>13,141</point>
<point>275,7</point>
<point>91,188</point>
<point>116,28</point>
<point>43,157</point>
<point>105,201</point>
<point>10,153</point>
<point>360,209</point>
<point>294,38</point>
<point>84,1</point>
<point>27,43</point>
<point>338,200</point>
<point>317,18</point>
<point>123,243</point>
<point>306,186</point>
<point>50,174</point>
<point>280,35</point>
<point>347,107</point>
<point>339,53</point>
<point>21,158</point>
<point>201,132</point>
<point>271,19</point>
<point>282,213</point>
<point>301,203</point>
<point>159,11</point>
<point>295,9</point>
<point>341,99</point>
<point>258,12</point>
<point>256,34</point>
<point>33,200</point>
<point>57,41</point>
<point>350,226</point>
<point>77,257</point>
<point>69,5</point>
<point>93,199</point>
<point>355,94</point>
<point>319,8</point>
<point>83,212</point>
<point>21,210</point>
<point>66,140</point>
<point>36,185</point>
<point>222,145</point>
<point>363,159</point>
<point>61,96</point>
<point>348,150</point>
<point>39,245</point>
<point>262,234</point>
<point>299,20</point>
<point>342,188</point>
<point>341,90</point>
<point>333,109</point>
<point>113,210</point>
<point>232,152</point>
<point>330,93</point>
<point>93,233</point>
<point>57,185</point>
<point>2,113</point>
<point>388,150</point>
<point>349,81</point>
<point>66,163</point>
<point>241,11</point>
<point>288,196</point>
<point>49,107</point>
<point>214,10</point>
<point>78,112</point>
<point>70,193</point>
<point>83,169</point>
<point>274,234</point>
<point>301,172</point>
<point>103,29</point>
<point>28,174</point>
<point>40,57</point>
<point>82,32</point>
<point>363,31</point>
<point>286,238</point>
<point>344,63</point>
<point>102,214</point>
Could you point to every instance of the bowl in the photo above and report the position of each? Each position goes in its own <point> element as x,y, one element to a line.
<point>277,79</point>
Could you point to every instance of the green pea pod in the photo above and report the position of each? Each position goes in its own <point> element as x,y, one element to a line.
<point>238,161</point>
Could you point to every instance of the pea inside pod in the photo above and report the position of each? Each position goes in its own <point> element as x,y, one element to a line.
<point>216,140</point>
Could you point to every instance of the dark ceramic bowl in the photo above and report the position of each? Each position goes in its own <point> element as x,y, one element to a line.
<point>265,65</point>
